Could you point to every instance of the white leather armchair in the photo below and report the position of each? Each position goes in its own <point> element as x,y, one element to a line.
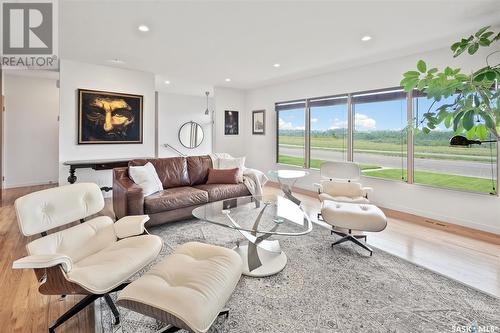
<point>339,183</point>
<point>93,258</point>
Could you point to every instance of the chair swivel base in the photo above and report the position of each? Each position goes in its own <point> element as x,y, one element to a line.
<point>87,300</point>
<point>349,237</point>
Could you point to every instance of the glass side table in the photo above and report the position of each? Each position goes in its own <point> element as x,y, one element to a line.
<point>287,179</point>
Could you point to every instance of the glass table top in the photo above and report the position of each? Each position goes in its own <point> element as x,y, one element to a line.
<point>272,215</point>
<point>288,174</point>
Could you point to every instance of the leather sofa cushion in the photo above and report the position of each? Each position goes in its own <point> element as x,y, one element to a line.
<point>218,192</point>
<point>223,176</point>
<point>172,171</point>
<point>174,198</point>
<point>198,169</point>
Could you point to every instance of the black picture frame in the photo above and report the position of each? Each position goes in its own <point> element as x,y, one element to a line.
<point>259,122</point>
<point>125,124</point>
<point>231,122</point>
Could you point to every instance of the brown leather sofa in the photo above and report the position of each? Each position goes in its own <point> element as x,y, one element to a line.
<point>184,188</point>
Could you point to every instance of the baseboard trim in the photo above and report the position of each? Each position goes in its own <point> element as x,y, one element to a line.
<point>429,222</point>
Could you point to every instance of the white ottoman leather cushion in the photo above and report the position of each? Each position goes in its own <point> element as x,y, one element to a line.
<point>188,288</point>
<point>363,217</point>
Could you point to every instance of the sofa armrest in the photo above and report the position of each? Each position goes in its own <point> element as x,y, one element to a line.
<point>128,198</point>
<point>44,261</point>
<point>129,226</point>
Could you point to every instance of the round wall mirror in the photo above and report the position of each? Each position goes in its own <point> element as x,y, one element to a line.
<point>191,134</point>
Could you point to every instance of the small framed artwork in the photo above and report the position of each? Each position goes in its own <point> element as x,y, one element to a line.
<point>259,122</point>
<point>231,122</point>
<point>109,117</point>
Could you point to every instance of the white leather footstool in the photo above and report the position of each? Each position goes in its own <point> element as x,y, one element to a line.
<point>353,216</point>
<point>188,289</point>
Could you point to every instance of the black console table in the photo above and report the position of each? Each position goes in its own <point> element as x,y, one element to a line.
<point>97,165</point>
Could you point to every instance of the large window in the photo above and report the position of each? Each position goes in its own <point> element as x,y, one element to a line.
<point>371,128</point>
<point>328,130</point>
<point>436,163</point>
<point>291,132</point>
<point>379,138</point>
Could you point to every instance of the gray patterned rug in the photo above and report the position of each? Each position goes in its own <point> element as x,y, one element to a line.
<point>329,290</point>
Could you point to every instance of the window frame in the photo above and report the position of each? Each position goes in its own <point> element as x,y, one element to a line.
<point>410,148</point>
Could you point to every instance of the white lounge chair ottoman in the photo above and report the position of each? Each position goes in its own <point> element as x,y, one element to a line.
<point>353,216</point>
<point>188,289</point>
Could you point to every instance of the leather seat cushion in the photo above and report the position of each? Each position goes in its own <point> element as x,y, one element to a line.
<point>354,216</point>
<point>339,198</point>
<point>105,270</point>
<point>218,192</point>
<point>174,198</point>
<point>192,286</point>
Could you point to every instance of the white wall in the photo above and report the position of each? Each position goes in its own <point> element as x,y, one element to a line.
<point>31,131</point>
<point>173,111</point>
<point>75,75</point>
<point>468,209</point>
<point>231,100</point>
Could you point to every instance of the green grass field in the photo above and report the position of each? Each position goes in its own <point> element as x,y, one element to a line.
<point>392,149</point>
<point>437,179</point>
<point>421,177</point>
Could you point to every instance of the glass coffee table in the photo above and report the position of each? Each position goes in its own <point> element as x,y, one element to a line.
<point>258,219</point>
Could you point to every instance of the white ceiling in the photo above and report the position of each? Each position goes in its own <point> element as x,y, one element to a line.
<point>197,44</point>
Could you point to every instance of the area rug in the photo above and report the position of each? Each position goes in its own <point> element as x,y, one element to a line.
<point>324,289</point>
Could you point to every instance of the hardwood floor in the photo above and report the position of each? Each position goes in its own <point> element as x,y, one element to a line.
<point>23,309</point>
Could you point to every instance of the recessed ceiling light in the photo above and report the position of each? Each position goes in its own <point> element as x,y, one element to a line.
<point>116,61</point>
<point>143,28</point>
<point>276,65</point>
<point>167,82</point>
<point>366,38</point>
<point>228,80</point>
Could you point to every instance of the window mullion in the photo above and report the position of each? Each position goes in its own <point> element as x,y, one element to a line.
<point>410,158</point>
<point>307,137</point>
<point>350,128</point>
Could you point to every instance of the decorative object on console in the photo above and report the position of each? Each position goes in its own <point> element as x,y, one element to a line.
<point>191,135</point>
<point>146,177</point>
<point>231,122</point>
<point>93,258</point>
<point>259,122</point>
<point>223,176</point>
<point>109,117</point>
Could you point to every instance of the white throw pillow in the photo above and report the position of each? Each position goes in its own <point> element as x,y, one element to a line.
<point>146,177</point>
<point>231,163</point>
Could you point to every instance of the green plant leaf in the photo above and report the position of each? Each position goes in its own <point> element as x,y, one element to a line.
<point>473,48</point>
<point>421,66</point>
<point>447,120</point>
<point>426,130</point>
<point>468,120</point>
<point>480,31</point>
<point>481,131</point>
<point>411,74</point>
<point>484,42</point>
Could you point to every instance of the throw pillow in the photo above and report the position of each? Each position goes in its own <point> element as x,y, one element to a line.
<point>146,177</point>
<point>231,163</point>
<point>222,176</point>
